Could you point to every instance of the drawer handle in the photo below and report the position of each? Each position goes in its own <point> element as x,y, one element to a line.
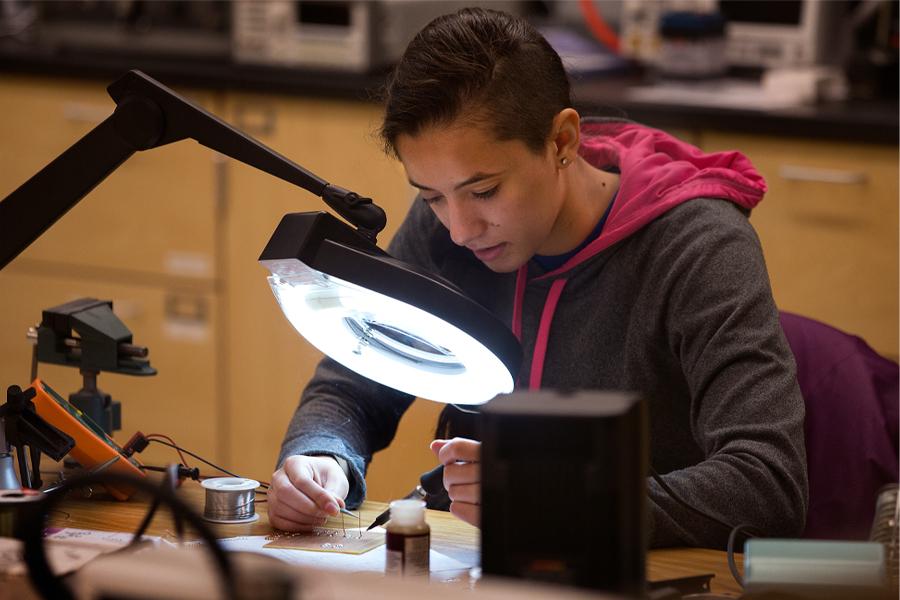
<point>795,173</point>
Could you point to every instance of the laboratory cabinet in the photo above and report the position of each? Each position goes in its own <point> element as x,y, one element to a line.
<point>829,229</point>
<point>179,327</point>
<point>145,238</point>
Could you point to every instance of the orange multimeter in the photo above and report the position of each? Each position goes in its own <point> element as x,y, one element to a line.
<point>92,445</point>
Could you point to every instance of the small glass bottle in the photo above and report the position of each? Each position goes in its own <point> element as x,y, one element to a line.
<point>408,539</point>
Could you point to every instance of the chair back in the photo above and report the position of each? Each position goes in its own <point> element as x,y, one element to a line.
<point>852,412</point>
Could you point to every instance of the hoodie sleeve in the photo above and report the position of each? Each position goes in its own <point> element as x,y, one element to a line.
<point>746,412</point>
<point>345,415</point>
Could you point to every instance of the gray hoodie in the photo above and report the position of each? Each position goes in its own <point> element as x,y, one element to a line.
<point>672,300</point>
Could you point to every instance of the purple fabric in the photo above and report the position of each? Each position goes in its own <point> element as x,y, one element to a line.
<point>852,413</point>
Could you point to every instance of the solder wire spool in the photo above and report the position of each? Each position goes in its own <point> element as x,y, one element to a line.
<point>12,504</point>
<point>230,500</point>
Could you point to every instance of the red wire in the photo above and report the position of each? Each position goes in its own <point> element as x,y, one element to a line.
<point>598,26</point>
<point>171,441</point>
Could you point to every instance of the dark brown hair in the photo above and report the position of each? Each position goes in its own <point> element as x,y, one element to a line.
<point>490,67</point>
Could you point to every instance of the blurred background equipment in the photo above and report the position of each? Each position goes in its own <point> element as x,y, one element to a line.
<point>355,35</point>
<point>158,27</point>
<point>785,33</point>
<point>761,33</point>
<point>692,45</point>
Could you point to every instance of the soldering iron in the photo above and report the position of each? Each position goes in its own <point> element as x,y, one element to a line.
<point>430,489</point>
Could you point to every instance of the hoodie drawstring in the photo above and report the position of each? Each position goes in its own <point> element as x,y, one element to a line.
<point>543,335</point>
<point>521,279</point>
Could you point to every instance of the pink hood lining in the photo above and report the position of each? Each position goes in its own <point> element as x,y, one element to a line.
<point>658,172</point>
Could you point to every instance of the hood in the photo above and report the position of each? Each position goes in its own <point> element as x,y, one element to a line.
<point>657,173</point>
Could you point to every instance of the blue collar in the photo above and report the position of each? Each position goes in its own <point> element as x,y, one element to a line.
<point>551,263</point>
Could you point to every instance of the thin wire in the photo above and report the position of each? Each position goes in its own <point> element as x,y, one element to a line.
<point>171,441</point>
<point>264,484</point>
<point>731,564</point>
<point>465,410</point>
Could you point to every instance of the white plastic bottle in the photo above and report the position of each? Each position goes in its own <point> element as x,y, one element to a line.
<point>408,539</point>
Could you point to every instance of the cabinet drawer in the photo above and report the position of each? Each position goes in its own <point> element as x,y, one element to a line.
<point>155,214</point>
<point>178,327</point>
<point>828,228</point>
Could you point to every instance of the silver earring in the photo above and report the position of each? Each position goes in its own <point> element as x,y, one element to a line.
<point>564,161</point>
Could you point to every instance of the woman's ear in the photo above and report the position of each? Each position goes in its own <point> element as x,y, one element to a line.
<point>566,135</point>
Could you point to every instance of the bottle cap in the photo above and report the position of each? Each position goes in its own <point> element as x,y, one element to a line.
<point>408,512</point>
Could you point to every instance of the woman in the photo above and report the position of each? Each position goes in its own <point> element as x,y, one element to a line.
<point>622,259</point>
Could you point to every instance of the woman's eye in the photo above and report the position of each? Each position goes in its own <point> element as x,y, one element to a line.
<point>486,193</point>
<point>432,200</point>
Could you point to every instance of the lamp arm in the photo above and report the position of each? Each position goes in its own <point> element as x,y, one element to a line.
<point>39,202</point>
<point>148,115</point>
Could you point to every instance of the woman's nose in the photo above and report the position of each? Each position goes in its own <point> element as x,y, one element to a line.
<point>466,224</point>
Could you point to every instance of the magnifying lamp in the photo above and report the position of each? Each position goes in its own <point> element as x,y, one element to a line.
<point>386,320</point>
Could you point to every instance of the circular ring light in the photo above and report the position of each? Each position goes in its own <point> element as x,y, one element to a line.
<point>385,319</point>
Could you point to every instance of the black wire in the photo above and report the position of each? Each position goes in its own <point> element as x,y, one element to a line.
<point>200,458</point>
<point>145,522</point>
<point>34,554</point>
<point>733,530</point>
<point>169,479</point>
<point>731,564</point>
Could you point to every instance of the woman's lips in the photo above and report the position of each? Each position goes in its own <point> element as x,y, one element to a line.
<point>490,253</point>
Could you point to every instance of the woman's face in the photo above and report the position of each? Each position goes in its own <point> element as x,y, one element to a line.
<point>497,198</point>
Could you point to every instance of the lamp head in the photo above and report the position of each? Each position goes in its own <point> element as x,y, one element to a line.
<point>385,319</point>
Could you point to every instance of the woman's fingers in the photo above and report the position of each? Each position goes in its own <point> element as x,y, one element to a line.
<point>305,491</point>
<point>306,473</point>
<point>282,516</point>
<point>456,450</point>
<point>462,476</point>
<point>294,495</point>
<point>470,513</point>
<point>456,473</point>
<point>469,493</point>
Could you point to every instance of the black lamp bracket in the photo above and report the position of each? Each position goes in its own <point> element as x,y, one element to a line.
<point>149,115</point>
<point>22,427</point>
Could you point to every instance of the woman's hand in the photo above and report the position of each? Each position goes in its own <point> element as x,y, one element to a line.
<point>305,491</point>
<point>462,477</point>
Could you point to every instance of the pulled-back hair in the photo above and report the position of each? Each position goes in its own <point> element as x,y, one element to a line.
<point>492,68</point>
